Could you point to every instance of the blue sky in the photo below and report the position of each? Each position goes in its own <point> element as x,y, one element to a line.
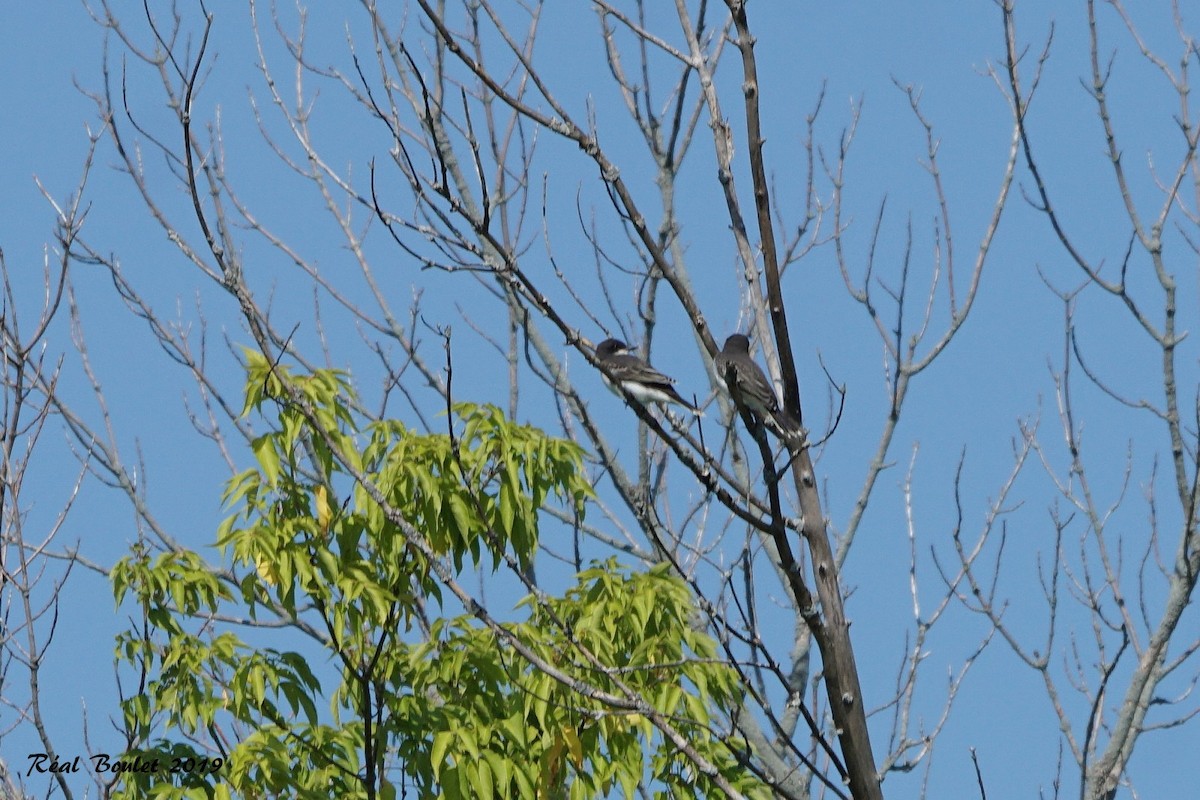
<point>997,371</point>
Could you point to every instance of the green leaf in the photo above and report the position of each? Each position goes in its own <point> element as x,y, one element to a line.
<point>508,511</point>
<point>480,776</point>
<point>268,459</point>
<point>437,754</point>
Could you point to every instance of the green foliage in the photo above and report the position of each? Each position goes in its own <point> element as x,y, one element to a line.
<point>334,533</point>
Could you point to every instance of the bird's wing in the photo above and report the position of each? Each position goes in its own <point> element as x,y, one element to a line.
<point>631,368</point>
<point>754,382</point>
<point>750,381</point>
<point>749,386</point>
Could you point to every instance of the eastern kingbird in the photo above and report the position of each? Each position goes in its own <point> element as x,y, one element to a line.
<point>750,389</point>
<point>635,376</point>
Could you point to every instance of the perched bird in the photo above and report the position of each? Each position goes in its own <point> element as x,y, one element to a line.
<point>635,376</point>
<point>750,389</point>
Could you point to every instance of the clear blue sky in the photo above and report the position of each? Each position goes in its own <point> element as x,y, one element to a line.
<point>996,372</point>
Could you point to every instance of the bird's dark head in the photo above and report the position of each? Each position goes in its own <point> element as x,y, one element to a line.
<point>737,343</point>
<point>610,347</point>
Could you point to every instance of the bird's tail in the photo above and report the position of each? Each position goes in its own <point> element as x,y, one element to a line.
<point>787,426</point>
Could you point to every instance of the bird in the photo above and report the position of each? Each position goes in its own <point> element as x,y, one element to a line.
<point>750,389</point>
<point>635,376</point>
